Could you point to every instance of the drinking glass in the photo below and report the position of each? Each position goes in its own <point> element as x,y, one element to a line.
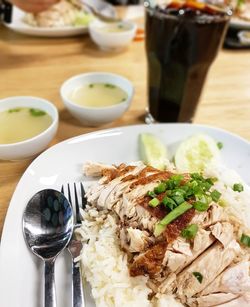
<point>181,44</point>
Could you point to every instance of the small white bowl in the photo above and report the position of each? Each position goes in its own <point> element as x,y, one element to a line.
<point>33,146</point>
<point>96,116</point>
<point>244,37</point>
<point>112,41</point>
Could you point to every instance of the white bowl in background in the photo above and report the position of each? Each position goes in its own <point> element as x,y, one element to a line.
<point>244,37</point>
<point>33,146</point>
<point>96,116</point>
<point>112,41</point>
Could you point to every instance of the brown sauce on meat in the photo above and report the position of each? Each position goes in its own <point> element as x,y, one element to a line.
<point>159,212</point>
<point>174,229</point>
<point>149,263</point>
<point>121,170</point>
<point>158,176</point>
<point>110,174</point>
<point>126,169</point>
<point>141,174</point>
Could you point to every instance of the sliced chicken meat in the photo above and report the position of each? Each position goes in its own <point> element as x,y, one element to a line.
<point>210,269</point>
<point>241,301</point>
<point>208,265</point>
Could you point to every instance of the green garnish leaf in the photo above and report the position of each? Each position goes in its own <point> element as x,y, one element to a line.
<point>14,110</point>
<point>202,202</point>
<point>174,182</point>
<point>151,194</point>
<point>91,85</point>
<point>169,202</point>
<point>178,199</point>
<point>198,276</point>
<point>245,240</point>
<point>190,231</point>
<point>160,188</point>
<point>37,112</point>
<point>238,187</point>
<point>199,206</point>
<point>220,145</point>
<point>154,202</point>
<point>109,85</point>
<point>215,195</point>
<point>160,226</point>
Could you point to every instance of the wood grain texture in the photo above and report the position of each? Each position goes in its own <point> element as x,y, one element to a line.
<point>38,67</point>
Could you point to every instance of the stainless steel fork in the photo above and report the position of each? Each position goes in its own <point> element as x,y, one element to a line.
<point>75,246</point>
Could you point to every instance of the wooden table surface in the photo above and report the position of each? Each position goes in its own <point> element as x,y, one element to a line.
<point>38,67</point>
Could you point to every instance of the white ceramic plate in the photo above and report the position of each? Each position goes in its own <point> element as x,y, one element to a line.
<point>20,271</point>
<point>238,23</point>
<point>18,25</point>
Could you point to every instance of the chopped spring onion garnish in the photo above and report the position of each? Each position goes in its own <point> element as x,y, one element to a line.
<point>173,182</point>
<point>220,145</point>
<point>238,187</point>
<point>202,202</point>
<point>215,195</point>
<point>14,110</point>
<point>160,227</point>
<point>154,202</point>
<point>190,231</point>
<point>169,202</point>
<point>151,194</point>
<point>36,112</point>
<point>160,188</point>
<point>175,191</point>
<point>199,206</point>
<point>245,240</point>
<point>198,276</point>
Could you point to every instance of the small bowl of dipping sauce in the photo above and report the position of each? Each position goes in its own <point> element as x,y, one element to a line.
<point>97,98</point>
<point>28,124</point>
<point>112,36</point>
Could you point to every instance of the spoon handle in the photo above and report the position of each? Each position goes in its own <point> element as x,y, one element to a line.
<point>49,284</point>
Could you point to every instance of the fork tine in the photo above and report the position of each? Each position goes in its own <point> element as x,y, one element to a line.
<point>78,218</point>
<point>84,199</point>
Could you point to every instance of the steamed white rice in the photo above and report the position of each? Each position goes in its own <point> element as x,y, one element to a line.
<point>105,265</point>
<point>235,203</point>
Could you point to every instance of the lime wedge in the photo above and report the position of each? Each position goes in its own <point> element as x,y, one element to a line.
<point>195,153</point>
<point>152,151</point>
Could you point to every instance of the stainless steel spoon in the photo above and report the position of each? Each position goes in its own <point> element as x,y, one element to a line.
<point>47,228</point>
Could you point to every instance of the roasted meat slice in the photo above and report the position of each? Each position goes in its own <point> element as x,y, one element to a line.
<point>208,265</point>
<point>235,279</point>
<point>149,262</point>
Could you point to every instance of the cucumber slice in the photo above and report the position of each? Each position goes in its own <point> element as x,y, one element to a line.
<point>195,153</point>
<point>152,151</point>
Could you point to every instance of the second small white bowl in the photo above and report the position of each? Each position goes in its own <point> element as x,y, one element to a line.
<point>101,115</point>
<point>112,41</point>
<point>36,144</point>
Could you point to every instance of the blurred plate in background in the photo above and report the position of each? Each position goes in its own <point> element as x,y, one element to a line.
<point>18,25</point>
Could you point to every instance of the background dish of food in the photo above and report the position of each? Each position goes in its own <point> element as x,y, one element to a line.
<point>19,25</point>
<point>238,23</point>
<point>52,170</point>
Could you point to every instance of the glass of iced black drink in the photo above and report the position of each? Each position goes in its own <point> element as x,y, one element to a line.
<point>182,40</point>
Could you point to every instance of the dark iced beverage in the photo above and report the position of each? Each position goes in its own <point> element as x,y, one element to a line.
<point>181,43</point>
